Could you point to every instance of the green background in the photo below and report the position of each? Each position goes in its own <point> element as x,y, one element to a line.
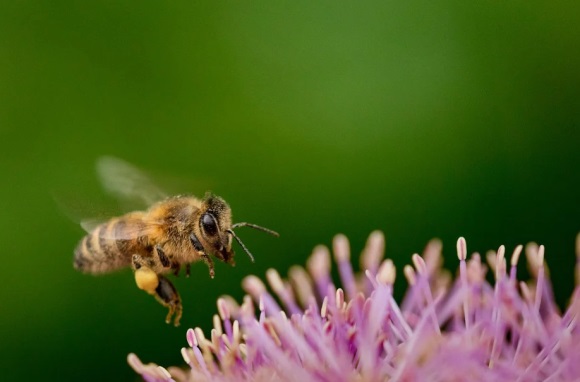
<point>422,119</point>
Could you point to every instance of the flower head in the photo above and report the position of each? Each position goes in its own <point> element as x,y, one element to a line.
<point>445,329</point>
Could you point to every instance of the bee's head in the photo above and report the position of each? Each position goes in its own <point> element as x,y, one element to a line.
<point>215,220</point>
<point>217,231</point>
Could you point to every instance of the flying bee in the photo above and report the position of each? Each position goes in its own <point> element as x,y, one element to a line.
<point>171,233</point>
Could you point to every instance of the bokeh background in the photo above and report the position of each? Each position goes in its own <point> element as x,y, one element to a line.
<point>422,119</point>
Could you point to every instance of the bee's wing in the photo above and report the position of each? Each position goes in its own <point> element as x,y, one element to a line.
<point>126,182</point>
<point>130,186</point>
<point>89,225</point>
<point>77,208</point>
<point>131,227</point>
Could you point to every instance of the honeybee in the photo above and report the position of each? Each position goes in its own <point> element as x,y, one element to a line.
<point>173,232</point>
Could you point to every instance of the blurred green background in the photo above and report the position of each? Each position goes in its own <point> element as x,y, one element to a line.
<point>417,118</point>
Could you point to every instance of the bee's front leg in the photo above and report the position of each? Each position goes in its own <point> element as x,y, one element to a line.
<point>206,259</point>
<point>209,262</point>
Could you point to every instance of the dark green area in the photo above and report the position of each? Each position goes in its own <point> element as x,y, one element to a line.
<point>420,119</point>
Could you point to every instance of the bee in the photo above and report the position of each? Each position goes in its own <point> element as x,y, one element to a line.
<point>171,233</point>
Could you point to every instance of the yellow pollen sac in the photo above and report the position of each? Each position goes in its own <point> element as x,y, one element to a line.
<point>146,280</point>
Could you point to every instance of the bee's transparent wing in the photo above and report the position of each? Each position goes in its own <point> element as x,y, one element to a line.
<point>130,187</point>
<point>87,212</point>
<point>89,225</point>
<point>126,182</point>
<point>132,229</point>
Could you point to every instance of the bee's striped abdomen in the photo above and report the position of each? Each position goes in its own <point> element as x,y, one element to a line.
<point>101,251</point>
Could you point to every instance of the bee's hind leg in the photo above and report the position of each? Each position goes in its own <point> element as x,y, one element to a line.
<point>167,296</point>
<point>145,277</point>
<point>160,287</point>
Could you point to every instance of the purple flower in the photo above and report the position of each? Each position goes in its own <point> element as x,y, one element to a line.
<point>445,329</point>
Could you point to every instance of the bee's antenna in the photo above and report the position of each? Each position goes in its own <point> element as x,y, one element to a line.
<point>244,224</point>
<point>241,244</point>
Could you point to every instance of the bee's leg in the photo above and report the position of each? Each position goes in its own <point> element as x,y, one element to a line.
<point>158,286</point>
<point>167,296</point>
<point>209,262</point>
<point>187,269</point>
<point>145,278</point>
<point>199,248</point>
<point>176,268</point>
<point>137,261</point>
<point>163,257</point>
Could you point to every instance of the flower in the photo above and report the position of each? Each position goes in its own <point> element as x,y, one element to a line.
<point>445,329</point>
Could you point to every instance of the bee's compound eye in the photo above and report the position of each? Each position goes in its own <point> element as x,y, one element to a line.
<point>209,224</point>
